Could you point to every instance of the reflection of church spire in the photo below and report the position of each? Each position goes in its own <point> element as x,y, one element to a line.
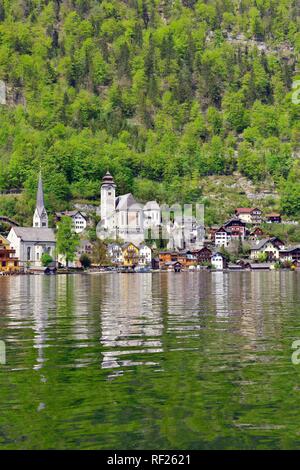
<point>40,218</point>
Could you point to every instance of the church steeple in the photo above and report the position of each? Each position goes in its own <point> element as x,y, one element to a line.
<point>40,217</point>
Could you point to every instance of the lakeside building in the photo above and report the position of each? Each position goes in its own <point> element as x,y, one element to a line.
<point>29,243</point>
<point>291,253</point>
<point>130,253</point>
<point>218,261</point>
<point>270,246</point>
<point>9,262</point>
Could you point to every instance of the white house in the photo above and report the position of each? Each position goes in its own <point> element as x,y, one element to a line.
<point>31,242</point>
<point>79,219</point>
<point>270,246</point>
<point>115,254</point>
<point>222,237</point>
<point>145,255</point>
<point>249,215</point>
<point>218,261</point>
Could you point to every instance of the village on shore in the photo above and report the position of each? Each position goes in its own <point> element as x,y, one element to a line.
<point>239,243</point>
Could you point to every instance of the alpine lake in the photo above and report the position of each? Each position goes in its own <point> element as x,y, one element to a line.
<point>150,361</point>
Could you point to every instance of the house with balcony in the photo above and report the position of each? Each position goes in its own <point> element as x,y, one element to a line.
<point>222,237</point>
<point>9,263</point>
<point>270,246</point>
<point>130,253</point>
<point>115,254</point>
<point>249,215</point>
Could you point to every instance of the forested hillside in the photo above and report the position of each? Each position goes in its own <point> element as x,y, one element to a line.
<point>163,93</point>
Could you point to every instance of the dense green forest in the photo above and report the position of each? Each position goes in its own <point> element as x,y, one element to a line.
<point>163,93</point>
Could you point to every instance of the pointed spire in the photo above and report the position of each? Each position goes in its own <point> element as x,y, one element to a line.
<point>40,206</point>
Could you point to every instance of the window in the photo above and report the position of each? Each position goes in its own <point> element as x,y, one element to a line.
<point>28,253</point>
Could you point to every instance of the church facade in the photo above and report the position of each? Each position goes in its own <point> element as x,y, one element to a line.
<point>122,217</point>
<point>30,243</point>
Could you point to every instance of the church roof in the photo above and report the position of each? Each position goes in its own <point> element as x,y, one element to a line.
<point>40,206</point>
<point>151,205</point>
<point>32,234</point>
<point>107,179</point>
<point>124,202</point>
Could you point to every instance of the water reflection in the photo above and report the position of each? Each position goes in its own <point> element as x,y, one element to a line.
<point>174,360</point>
<point>131,320</point>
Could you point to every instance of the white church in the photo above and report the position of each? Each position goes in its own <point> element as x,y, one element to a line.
<point>31,242</point>
<point>124,218</point>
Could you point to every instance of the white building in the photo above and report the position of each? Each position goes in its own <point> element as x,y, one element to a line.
<point>79,219</point>
<point>124,218</point>
<point>115,254</point>
<point>218,261</point>
<point>31,242</point>
<point>269,246</point>
<point>222,237</point>
<point>145,255</point>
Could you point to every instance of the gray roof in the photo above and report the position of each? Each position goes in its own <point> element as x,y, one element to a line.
<point>290,248</point>
<point>124,202</point>
<point>151,205</point>
<point>260,265</point>
<point>260,244</point>
<point>40,206</point>
<point>215,253</point>
<point>32,234</point>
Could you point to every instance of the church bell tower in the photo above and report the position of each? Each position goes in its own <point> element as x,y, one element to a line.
<point>108,198</point>
<point>40,217</point>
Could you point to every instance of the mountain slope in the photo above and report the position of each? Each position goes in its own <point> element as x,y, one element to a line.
<point>164,94</point>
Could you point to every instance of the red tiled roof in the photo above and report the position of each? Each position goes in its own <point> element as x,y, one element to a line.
<point>245,210</point>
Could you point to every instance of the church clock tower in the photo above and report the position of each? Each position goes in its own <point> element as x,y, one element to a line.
<point>40,217</point>
<point>108,199</point>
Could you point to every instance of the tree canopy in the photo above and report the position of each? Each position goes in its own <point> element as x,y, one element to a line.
<point>162,93</point>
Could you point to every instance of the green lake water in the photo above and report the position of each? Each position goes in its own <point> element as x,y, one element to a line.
<point>150,361</point>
